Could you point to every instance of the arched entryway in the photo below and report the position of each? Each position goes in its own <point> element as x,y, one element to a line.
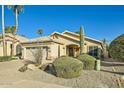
<point>72,50</point>
<point>18,50</point>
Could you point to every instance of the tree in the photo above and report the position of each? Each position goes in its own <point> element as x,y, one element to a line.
<point>82,40</point>
<point>17,9</point>
<point>38,55</point>
<point>3,33</point>
<point>10,29</point>
<point>105,48</point>
<point>116,48</point>
<point>40,32</point>
<point>13,29</point>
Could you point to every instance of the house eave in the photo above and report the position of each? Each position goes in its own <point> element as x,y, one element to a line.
<point>85,36</point>
<point>88,38</point>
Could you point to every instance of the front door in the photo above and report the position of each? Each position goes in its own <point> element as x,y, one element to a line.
<point>71,51</point>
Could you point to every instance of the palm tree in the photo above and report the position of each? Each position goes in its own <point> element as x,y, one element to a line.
<point>40,32</point>
<point>3,33</point>
<point>17,10</point>
<point>13,29</point>
<point>82,40</point>
<point>10,29</point>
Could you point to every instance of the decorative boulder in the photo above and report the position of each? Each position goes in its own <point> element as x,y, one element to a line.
<point>32,67</point>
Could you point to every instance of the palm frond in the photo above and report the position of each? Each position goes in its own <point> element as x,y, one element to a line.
<point>22,8</point>
<point>10,6</point>
<point>10,29</point>
<point>19,8</point>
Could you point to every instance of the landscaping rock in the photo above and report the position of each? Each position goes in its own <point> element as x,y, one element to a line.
<point>32,67</point>
<point>122,77</point>
<point>23,68</point>
<point>44,67</point>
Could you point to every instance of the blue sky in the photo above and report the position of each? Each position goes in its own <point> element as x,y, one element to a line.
<point>99,21</point>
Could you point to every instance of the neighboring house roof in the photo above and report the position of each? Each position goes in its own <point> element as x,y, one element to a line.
<point>63,34</point>
<point>45,38</point>
<point>42,39</point>
<point>17,37</point>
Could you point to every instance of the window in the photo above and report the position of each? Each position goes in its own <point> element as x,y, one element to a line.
<point>33,48</point>
<point>93,50</point>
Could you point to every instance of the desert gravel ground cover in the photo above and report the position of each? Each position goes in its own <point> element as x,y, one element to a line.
<point>11,77</point>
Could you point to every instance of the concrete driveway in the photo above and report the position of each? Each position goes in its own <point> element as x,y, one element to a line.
<point>11,77</point>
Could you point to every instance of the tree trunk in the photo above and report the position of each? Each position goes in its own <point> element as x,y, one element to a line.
<point>14,41</point>
<point>82,41</point>
<point>3,33</point>
<point>16,21</point>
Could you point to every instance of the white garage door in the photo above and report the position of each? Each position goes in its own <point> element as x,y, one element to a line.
<point>32,51</point>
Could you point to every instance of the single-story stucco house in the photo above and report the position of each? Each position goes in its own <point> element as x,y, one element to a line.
<point>53,46</point>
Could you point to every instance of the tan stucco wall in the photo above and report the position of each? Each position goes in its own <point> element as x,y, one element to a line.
<point>9,48</point>
<point>8,45</point>
<point>9,38</point>
<point>68,41</point>
<point>88,42</point>
<point>71,35</point>
<point>1,50</point>
<point>62,50</point>
<point>91,43</point>
<point>15,47</point>
<point>54,50</point>
<point>65,40</point>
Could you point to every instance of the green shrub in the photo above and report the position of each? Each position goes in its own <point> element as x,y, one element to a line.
<point>5,58</point>
<point>67,67</point>
<point>88,61</point>
<point>116,48</point>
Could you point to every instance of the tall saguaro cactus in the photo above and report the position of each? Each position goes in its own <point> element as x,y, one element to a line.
<point>82,40</point>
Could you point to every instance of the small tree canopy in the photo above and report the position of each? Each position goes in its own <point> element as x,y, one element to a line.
<point>116,48</point>
<point>40,32</point>
<point>10,29</point>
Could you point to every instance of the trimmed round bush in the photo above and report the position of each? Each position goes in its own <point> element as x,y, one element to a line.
<point>88,61</point>
<point>67,67</point>
<point>116,48</point>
